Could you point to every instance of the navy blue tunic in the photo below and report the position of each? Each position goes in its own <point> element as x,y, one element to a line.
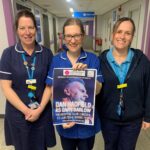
<point>23,134</point>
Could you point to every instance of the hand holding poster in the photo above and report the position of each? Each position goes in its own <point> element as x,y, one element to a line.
<point>74,96</point>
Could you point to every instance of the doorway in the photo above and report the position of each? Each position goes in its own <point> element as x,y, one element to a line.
<point>46,37</point>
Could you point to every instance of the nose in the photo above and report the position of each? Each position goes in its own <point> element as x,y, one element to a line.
<point>72,39</point>
<point>27,31</point>
<point>122,35</point>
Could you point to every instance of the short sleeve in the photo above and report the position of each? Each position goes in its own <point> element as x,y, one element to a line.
<point>99,73</point>
<point>49,79</point>
<point>5,65</point>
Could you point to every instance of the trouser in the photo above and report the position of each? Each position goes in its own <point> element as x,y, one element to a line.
<point>120,136</point>
<point>80,144</point>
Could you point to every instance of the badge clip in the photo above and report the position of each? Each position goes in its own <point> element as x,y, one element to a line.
<point>121,86</point>
<point>32,87</point>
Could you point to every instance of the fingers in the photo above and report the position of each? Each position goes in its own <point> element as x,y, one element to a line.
<point>32,118</point>
<point>27,117</point>
<point>79,66</point>
<point>68,125</point>
<point>28,114</point>
<point>145,125</point>
<point>33,115</point>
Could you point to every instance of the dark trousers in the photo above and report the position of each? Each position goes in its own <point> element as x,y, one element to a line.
<point>80,144</point>
<point>120,136</point>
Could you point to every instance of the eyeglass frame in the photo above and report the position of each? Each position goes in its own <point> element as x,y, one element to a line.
<point>73,36</point>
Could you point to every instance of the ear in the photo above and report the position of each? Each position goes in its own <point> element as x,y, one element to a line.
<point>67,91</point>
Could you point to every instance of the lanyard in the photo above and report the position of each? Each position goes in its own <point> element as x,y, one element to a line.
<point>121,106</point>
<point>30,70</point>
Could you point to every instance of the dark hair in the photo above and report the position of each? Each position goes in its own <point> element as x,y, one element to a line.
<point>119,21</point>
<point>25,13</point>
<point>74,21</point>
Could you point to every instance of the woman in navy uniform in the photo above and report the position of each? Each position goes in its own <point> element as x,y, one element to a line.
<point>23,70</point>
<point>124,102</point>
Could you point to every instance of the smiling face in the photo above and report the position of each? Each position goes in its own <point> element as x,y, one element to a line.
<point>76,91</point>
<point>26,31</point>
<point>123,35</point>
<point>73,38</point>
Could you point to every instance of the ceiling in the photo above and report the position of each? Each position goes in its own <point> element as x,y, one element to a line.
<point>60,8</point>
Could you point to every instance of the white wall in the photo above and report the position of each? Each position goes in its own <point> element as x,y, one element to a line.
<point>61,22</point>
<point>105,22</point>
<point>146,33</point>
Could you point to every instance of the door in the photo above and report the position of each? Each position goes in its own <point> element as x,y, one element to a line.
<point>46,37</point>
<point>135,15</point>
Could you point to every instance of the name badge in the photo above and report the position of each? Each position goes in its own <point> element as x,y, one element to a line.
<point>33,105</point>
<point>121,86</point>
<point>30,81</point>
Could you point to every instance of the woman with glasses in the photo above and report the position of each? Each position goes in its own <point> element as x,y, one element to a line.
<point>124,102</point>
<point>73,135</point>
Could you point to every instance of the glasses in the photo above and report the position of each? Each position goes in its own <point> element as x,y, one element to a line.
<point>69,37</point>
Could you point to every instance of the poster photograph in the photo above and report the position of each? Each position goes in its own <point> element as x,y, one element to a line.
<point>74,96</point>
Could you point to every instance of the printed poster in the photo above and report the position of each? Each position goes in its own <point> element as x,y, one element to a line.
<point>74,96</point>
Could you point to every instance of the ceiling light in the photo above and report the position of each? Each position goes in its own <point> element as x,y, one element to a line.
<point>68,0</point>
<point>71,9</point>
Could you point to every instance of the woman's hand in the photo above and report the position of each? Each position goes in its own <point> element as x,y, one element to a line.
<point>34,114</point>
<point>98,87</point>
<point>68,125</point>
<point>79,66</point>
<point>145,125</point>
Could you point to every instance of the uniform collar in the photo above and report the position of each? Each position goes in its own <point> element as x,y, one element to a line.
<point>19,48</point>
<point>128,59</point>
<point>63,54</point>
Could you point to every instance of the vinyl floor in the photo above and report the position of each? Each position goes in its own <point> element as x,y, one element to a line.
<point>142,144</point>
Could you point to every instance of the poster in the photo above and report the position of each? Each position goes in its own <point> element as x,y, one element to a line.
<point>74,96</point>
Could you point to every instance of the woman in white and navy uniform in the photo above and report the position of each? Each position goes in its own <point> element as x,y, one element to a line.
<point>23,70</point>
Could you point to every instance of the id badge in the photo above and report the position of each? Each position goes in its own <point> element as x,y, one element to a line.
<point>31,81</point>
<point>33,105</point>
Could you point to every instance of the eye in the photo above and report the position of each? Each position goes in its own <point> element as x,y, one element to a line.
<point>77,36</point>
<point>68,36</point>
<point>31,28</point>
<point>83,91</point>
<point>119,31</point>
<point>128,33</point>
<point>21,28</point>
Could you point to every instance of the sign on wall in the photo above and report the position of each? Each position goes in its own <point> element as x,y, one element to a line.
<point>84,14</point>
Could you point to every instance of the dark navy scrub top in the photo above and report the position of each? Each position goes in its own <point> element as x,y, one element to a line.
<point>12,68</point>
<point>61,61</point>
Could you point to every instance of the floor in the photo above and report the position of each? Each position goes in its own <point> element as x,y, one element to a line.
<point>142,144</point>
